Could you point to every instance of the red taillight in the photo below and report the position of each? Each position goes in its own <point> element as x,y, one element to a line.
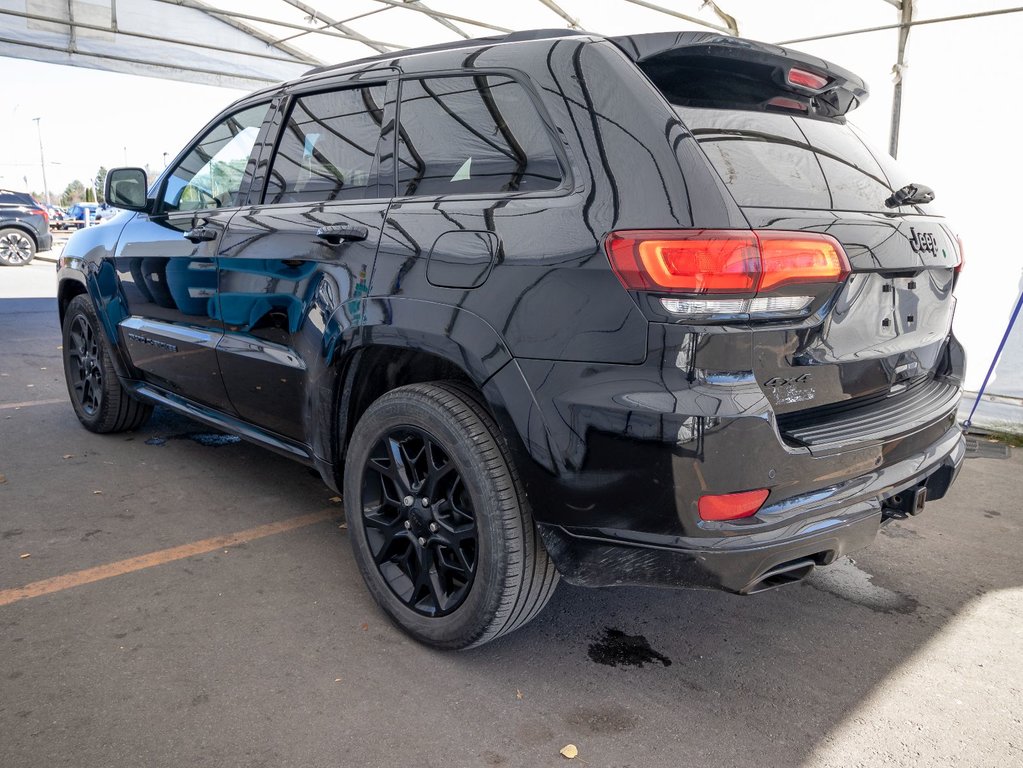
<point>807,79</point>
<point>44,213</point>
<point>732,506</point>
<point>698,261</point>
<point>723,261</point>
<point>800,258</point>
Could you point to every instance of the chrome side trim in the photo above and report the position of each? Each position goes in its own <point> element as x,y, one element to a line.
<point>180,333</point>
<point>266,351</point>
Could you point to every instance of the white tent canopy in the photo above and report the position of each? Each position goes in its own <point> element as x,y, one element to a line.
<point>246,45</point>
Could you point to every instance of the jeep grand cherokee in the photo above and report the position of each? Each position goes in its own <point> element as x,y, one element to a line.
<point>635,310</point>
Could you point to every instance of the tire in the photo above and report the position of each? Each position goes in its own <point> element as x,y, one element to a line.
<point>482,571</point>
<point>16,247</point>
<point>99,400</point>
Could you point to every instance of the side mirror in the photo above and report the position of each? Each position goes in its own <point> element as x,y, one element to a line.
<point>126,188</point>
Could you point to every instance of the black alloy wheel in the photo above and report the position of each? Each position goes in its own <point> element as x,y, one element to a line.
<point>85,371</point>
<point>419,521</point>
<point>99,400</point>
<point>440,525</point>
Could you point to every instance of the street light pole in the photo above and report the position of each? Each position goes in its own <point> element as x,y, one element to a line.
<point>42,159</point>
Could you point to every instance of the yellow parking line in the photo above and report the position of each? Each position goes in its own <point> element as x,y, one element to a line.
<point>121,567</point>
<point>27,403</point>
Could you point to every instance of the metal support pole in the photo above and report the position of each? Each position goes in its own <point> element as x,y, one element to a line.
<point>906,18</point>
<point>42,159</point>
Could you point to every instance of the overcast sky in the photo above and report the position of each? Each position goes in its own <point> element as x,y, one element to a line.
<point>960,116</point>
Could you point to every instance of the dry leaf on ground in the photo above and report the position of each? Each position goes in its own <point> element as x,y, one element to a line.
<point>570,751</point>
<point>24,555</point>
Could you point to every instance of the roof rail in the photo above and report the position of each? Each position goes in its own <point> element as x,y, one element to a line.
<point>511,37</point>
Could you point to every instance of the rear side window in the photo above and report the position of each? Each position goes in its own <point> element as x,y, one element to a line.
<point>472,135</point>
<point>778,161</point>
<point>328,147</point>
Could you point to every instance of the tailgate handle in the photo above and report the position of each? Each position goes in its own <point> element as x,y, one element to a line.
<point>201,235</point>
<point>335,234</point>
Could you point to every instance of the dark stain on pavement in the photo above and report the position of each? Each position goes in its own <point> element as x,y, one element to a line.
<point>617,649</point>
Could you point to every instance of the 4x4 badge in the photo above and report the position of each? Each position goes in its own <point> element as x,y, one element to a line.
<point>781,381</point>
<point>923,241</point>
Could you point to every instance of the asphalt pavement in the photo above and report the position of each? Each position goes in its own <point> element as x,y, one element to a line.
<point>173,597</point>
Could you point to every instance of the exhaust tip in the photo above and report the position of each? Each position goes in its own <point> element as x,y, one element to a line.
<point>780,575</point>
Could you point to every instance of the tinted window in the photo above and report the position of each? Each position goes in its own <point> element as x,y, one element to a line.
<point>763,158</point>
<point>780,161</point>
<point>211,174</point>
<point>472,135</point>
<point>895,173</point>
<point>328,147</point>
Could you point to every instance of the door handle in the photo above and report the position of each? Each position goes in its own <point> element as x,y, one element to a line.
<point>335,234</point>
<point>201,235</point>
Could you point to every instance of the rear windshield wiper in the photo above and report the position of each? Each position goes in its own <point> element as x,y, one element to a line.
<point>911,194</point>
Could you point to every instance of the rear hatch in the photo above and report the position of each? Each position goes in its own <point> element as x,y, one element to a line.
<point>772,123</point>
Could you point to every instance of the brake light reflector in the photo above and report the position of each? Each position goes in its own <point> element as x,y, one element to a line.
<point>807,79</point>
<point>706,261</point>
<point>732,506</point>
<point>781,102</point>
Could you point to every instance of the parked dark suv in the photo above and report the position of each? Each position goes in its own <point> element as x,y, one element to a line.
<point>638,310</point>
<point>24,228</point>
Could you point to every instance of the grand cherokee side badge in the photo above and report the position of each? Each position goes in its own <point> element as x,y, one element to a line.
<point>152,342</point>
<point>781,381</point>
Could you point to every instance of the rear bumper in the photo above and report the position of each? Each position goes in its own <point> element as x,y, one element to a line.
<point>615,458</point>
<point>817,527</point>
<point>44,241</point>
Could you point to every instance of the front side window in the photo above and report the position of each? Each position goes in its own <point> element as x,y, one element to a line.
<point>328,147</point>
<point>211,174</point>
<point>472,135</point>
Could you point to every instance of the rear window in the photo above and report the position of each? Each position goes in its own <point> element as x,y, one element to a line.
<point>16,198</point>
<point>472,135</point>
<point>778,161</point>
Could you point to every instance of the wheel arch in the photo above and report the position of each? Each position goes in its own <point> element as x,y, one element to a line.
<point>424,341</point>
<point>22,227</point>
<point>67,289</point>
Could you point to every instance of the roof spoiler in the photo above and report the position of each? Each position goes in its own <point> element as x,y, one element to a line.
<point>706,69</point>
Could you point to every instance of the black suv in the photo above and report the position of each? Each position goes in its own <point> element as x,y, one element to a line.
<point>24,228</point>
<point>638,310</point>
